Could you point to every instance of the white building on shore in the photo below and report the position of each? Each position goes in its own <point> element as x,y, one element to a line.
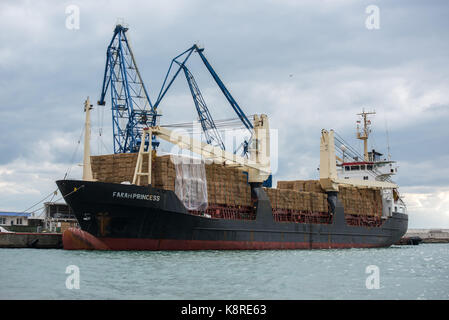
<point>14,218</point>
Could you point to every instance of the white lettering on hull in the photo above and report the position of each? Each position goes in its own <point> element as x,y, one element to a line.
<point>138,196</point>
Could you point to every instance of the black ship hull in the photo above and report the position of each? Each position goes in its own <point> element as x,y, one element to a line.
<point>129,217</point>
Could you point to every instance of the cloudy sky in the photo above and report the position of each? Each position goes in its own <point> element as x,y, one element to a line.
<point>307,64</point>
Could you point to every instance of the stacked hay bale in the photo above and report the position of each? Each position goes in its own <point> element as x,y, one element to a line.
<point>301,185</point>
<point>361,201</point>
<point>114,168</point>
<point>163,174</point>
<point>287,199</point>
<point>225,185</point>
<point>356,201</point>
<point>118,168</point>
<point>308,194</point>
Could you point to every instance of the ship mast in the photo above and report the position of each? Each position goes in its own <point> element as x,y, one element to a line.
<point>87,169</point>
<point>365,131</point>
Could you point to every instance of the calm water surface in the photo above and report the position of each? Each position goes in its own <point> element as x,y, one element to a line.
<point>405,272</point>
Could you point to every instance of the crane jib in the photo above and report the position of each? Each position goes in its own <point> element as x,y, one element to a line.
<point>131,106</point>
<point>206,120</point>
<point>130,102</point>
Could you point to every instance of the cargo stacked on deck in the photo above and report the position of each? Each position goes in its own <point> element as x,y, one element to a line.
<point>287,199</point>
<point>361,201</point>
<point>163,174</point>
<point>225,185</point>
<point>118,168</point>
<point>308,194</point>
<point>228,186</point>
<point>356,201</point>
<point>301,185</point>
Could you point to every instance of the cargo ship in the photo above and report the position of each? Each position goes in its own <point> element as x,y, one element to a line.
<point>137,199</point>
<point>143,201</point>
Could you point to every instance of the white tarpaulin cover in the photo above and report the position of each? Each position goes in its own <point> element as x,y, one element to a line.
<point>191,182</point>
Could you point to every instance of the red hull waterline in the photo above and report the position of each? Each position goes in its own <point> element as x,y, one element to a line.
<point>76,239</point>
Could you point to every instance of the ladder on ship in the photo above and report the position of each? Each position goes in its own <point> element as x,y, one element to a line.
<point>138,172</point>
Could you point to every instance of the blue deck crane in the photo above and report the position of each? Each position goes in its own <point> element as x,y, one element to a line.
<point>207,123</point>
<point>205,117</point>
<point>131,105</point>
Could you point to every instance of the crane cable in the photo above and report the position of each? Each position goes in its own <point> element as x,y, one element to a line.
<point>232,123</point>
<point>54,194</point>
<point>40,201</point>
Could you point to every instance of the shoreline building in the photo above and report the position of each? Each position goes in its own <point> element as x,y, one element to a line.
<point>8,218</point>
<point>58,217</point>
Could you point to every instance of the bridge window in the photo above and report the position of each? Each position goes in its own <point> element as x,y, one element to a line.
<point>369,167</point>
<point>346,168</point>
<point>362,167</point>
<point>355,168</point>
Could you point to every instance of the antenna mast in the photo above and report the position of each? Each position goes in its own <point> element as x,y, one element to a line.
<point>363,133</point>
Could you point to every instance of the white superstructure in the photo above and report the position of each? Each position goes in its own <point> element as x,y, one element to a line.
<point>371,168</point>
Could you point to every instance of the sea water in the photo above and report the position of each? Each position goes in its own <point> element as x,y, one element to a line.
<point>398,272</point>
